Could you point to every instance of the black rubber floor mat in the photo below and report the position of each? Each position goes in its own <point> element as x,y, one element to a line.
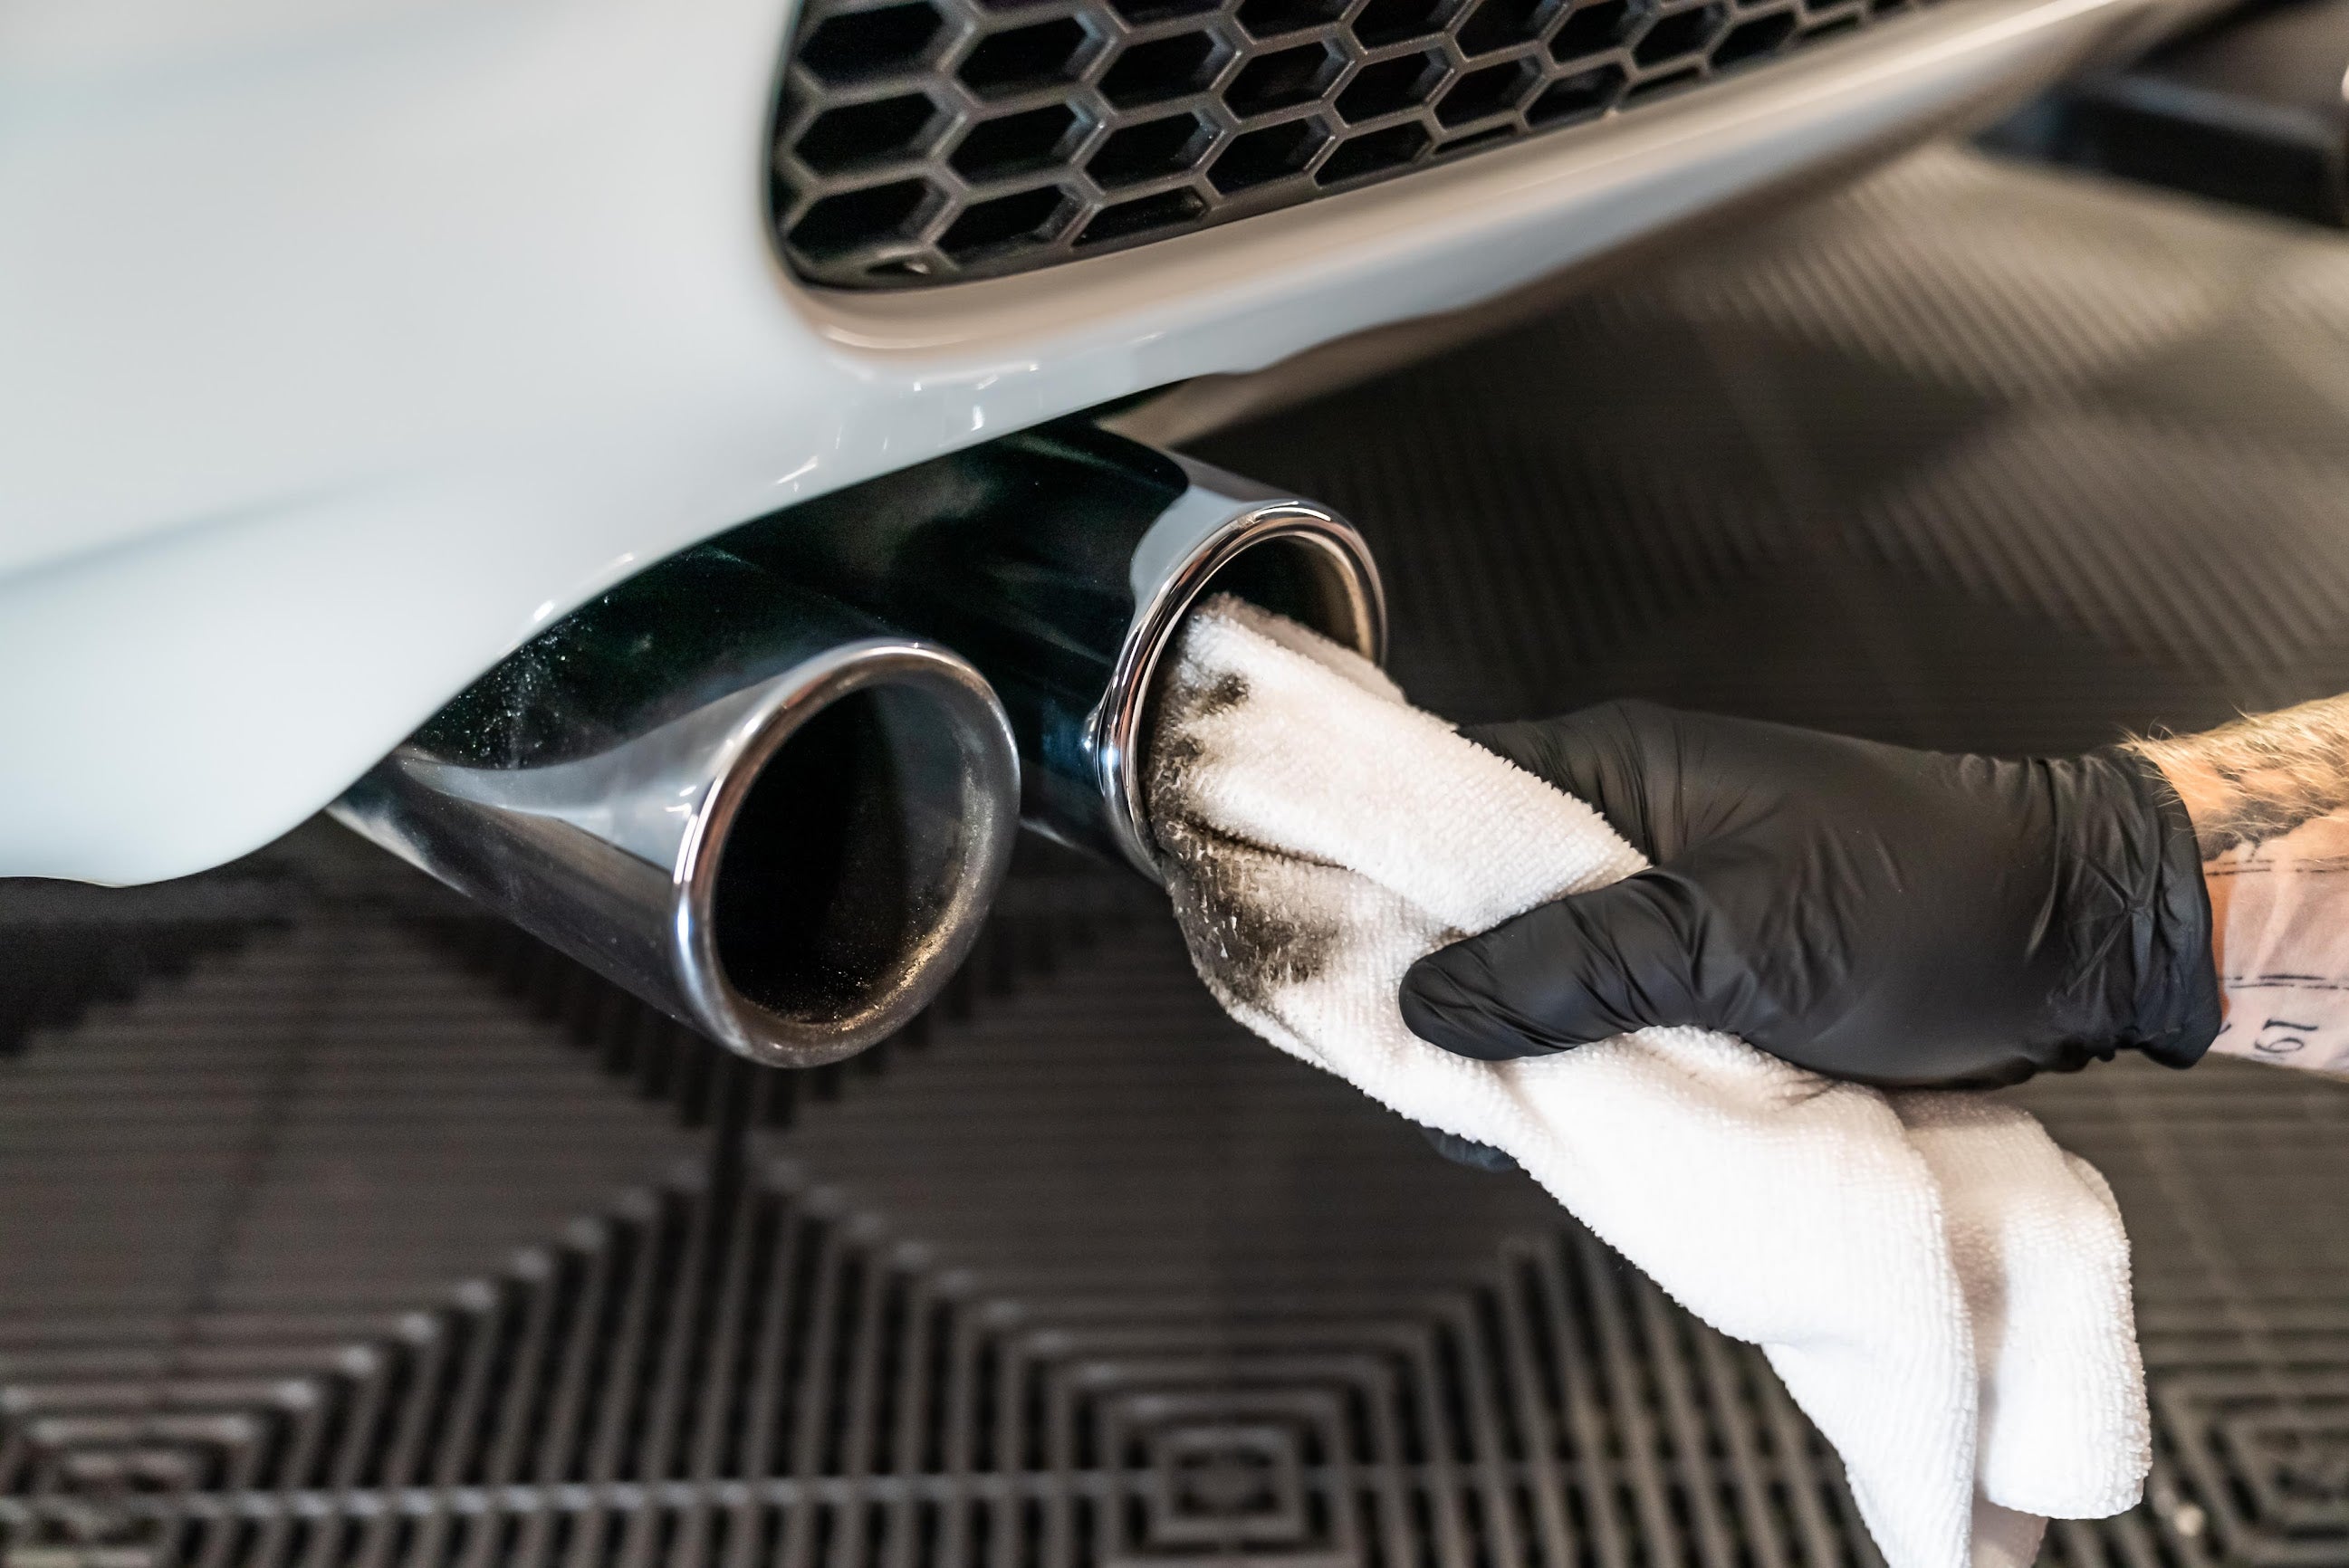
<point>340,1227</point>
<point>1976,455</point>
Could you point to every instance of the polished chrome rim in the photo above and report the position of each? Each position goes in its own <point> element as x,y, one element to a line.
<point>988,784</point>
<point>1117,735</point>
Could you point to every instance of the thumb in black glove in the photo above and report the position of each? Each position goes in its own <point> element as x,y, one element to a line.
<point>1865,911</point>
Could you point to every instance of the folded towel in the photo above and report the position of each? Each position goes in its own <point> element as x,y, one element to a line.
<point>1942,1290</point>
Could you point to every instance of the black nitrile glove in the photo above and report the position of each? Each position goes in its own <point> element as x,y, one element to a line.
<point>1899,917</point>
<point>1469,1152</point>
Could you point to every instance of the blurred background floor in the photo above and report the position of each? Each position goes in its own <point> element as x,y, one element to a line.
<point>339,1225</point>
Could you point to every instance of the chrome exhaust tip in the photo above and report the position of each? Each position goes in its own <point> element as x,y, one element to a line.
<point>775,818</point>
<point>1289,555</point>
<point>1062,561</point>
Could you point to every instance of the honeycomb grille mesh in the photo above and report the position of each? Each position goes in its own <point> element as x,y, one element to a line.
<point>923,142</point>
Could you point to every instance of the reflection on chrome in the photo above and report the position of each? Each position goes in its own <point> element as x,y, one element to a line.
<point>1060,563</point>
<point>772,817</point>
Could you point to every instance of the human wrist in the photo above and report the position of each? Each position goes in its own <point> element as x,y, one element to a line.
<point>2143,915</point>
<point>2202,794</point>
<point>2269,796</point>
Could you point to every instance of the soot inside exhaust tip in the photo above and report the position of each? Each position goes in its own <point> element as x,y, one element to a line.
<point>1290,576</point>
<point>844,857</point>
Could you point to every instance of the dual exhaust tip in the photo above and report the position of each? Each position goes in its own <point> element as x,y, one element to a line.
<point>771,785</point>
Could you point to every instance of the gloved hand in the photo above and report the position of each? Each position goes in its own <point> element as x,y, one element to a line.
<point>1469,1152</point>
<point>1866,911</point>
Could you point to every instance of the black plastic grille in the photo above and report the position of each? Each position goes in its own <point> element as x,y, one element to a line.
<point>923,142</point>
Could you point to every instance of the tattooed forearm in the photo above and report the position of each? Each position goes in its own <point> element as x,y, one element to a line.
<point>2270,799</point>
<point>2257,779</point>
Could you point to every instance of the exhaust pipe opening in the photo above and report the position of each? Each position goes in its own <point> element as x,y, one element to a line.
<point>772,818</point>
<point>862,815</point>
<point>1061,562</point>
<point>1300,563</point>
<point>1302,576</point>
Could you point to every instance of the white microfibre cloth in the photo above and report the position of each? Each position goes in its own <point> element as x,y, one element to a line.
<point>1942,1290</point>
